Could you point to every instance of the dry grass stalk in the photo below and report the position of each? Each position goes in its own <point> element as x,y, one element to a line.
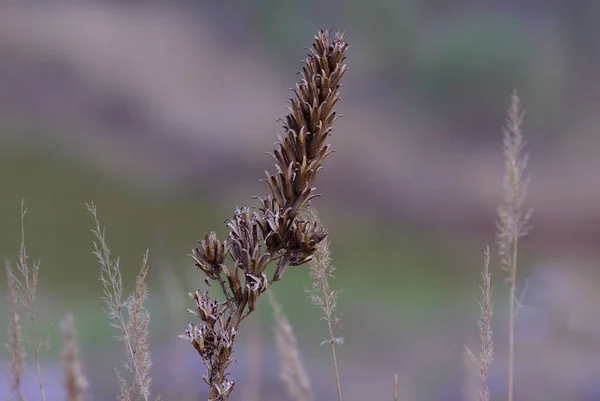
<point>15,344</point>
<point>293,374</point>
<point>274,232</point>
<point>325,298</point>
<point>75,382</point>
<point>133,326</point>
<point>26,286</point>
<point>513,220</point>
<point>395,387</point>
<point>486,336</point>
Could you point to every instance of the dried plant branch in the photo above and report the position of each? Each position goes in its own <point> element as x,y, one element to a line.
<point>274,232</point>
<point>513,220</point>
<point>15,344</point>
<point>75,382</point>
<point>325,298</point>
<point>134,326</point>
<point>486,335</point>
<point>293,374</point>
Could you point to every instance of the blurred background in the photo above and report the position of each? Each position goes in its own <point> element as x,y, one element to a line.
<point>161,112</point>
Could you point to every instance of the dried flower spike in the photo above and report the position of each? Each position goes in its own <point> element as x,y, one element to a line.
<point>273,232</point>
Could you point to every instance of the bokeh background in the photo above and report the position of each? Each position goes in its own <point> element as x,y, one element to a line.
<point>161,112</point>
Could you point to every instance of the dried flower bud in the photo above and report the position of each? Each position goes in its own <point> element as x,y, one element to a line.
<point>210,255</point>
<point>303,242</point>
<point>194,334</point>
<point>208,309</point>
<point>272,225</point>
<point>244,238</point>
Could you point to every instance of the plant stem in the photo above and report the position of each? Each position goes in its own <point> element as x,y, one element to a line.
<point>511,325</point>
<point>37,358</point>
<point>335,362</point>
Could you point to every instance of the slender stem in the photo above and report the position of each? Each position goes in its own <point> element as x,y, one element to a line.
<point>335,362</point>
<point>511,327</point>
<point>224,289</point>
<point>37,358</point>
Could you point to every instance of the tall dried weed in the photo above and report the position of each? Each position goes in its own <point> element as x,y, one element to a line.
<point>275,231</point>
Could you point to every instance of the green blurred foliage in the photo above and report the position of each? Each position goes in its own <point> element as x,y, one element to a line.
<point>404,268</point>
<point>284,26</point>
<point>384,33</point>
<point>464,73</point>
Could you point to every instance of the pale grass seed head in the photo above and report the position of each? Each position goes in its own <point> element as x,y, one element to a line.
<point>133,326</point>
<point>323,296</point>
<point>74,382</point>
<point>486,336</point>
<point>513,220</point>
<point>110,272</point>
<point>137,329</point>
<point>321,270</point>
<point>293,374</point>
<point>15,343</point>
<point>28,286</point>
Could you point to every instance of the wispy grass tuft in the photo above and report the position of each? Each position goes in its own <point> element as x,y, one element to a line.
<point>486,336</point>
<point>74,382</point>
<point>133,326</point>
<point>15,343</point>
<point>325,298</point>
<point>513,219</point>
<point>22,292</point>
<point>293,374</point>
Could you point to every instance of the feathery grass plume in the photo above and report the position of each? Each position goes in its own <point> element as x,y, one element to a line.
<point>486,336</point>
<point>513,220</point>
<point>324,297</point>
<point>15,343</point>
<point>133,326</point>
<point>27,288</point>
<point>273,232</point>
<point>75,382</point>
<point>293,374</point>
